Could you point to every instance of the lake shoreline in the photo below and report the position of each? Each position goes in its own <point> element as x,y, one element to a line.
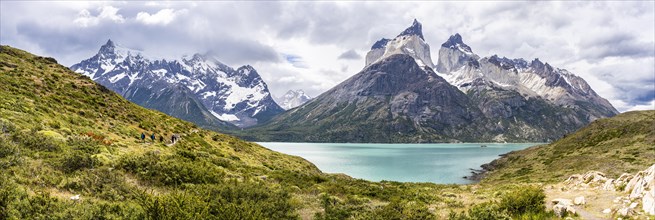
<point>431,163</point>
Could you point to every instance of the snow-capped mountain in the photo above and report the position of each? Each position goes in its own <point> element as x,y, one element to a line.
<point>292,99</point>
<point>238,96</point>
<point>399,97</point>
<point>531,79</point>
<point>409,42</point>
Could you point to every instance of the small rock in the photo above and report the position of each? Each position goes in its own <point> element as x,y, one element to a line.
<point>574,179</point>
<point>607,211</point>
<point>625,211</point>
<point>617,199</point>
<point>633,205</point>
<point>559,210</point>
<point>609,185</point>
<point>75,197</point>
<point>579,200</point>
<point>564,202</point>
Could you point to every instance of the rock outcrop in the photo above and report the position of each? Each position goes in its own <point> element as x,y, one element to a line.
<point>637,190</point>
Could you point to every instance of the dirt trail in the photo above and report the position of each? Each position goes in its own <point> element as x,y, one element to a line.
<point>596,200</point>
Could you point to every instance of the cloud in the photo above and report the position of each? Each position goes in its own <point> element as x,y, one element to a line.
<point>109,13</point>
<point>316,45</point>
<point>616,45</point>
<point>162,17</point>
<point>350,55</point>
<point>648,106</point>
<point>296,61</point>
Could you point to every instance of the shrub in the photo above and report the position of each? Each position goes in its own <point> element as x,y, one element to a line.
<point>9,153</point>
<point>37,141</point>
<point>171,170</point>
<point>527,199</point>
<point>76,160</point>
<point>227,201</point>
<point>526,202</point>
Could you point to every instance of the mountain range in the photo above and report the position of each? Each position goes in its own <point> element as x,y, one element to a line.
<point>292,99</point>
<point>198,88</point>
<point>401,96</point>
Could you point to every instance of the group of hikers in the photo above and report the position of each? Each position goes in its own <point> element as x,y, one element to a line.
<point>174,138</point>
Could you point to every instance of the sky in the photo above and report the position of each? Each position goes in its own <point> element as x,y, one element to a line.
<point>314,46</point>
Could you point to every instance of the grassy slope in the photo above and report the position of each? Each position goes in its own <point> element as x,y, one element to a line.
<point>624,143</point>
<point>61,134</point>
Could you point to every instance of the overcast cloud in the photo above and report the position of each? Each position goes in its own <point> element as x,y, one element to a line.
<point>315,45</point>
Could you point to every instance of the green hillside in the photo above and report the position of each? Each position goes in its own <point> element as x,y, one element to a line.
<point>63,135</point>
<point>622,144</point>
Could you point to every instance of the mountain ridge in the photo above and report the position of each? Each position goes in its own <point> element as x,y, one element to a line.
<point>497,100</point>
<point>221,93</point>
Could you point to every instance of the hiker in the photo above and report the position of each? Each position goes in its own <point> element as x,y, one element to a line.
<point>161,138</point>
<point>143,137</point>
<point>173,139</point>
<point>152,136</point>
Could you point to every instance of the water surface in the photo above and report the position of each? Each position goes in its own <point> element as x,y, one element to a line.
<point>437,163</point>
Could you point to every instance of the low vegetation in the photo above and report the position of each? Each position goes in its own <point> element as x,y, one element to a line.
<point>621,144</point>
<point>71,149</point>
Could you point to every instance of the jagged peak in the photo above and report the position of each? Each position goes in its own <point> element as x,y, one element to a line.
<point>382,43</point>
<point>246,69</point>
<point>455,42</point>
<point>110,43</point>
<point>107,48</point>
<point>415,29</point>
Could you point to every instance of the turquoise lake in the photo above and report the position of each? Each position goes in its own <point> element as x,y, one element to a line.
<point>437,163</point>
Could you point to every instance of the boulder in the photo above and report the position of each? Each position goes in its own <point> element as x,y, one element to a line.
<point>633,182</point>
<point>564,202</point>
<point>593,177</point>
<point>637,188</point>
<point>648,201</point>
<point>579,200</point>
<point>624,178</point>
<point>609,185</point>
<point>625,211</point>
<point>607,211</point>
<point>559,210</point>
<point>649,177</point>
<point>574,179</point>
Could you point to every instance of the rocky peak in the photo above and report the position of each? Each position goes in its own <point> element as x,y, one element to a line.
<point>409,42</point>
<point>455,54</point>
<point>415,29</point>
<point>293,98</point>
<point>107,47</point>
<point>456,42</point>
<point>380,44</point>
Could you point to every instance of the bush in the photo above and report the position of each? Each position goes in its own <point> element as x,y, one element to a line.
<point>526,202</point>
<point>227,201</point>
<point>37,141</point>
<point>9,153</point>
<point>76,160</point>
<point>171,170</point>
<point>527,199</point>
<point>102,183</point>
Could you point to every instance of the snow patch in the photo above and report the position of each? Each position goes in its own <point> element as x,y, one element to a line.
<point>115,78</point>
<point>226,117</point>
